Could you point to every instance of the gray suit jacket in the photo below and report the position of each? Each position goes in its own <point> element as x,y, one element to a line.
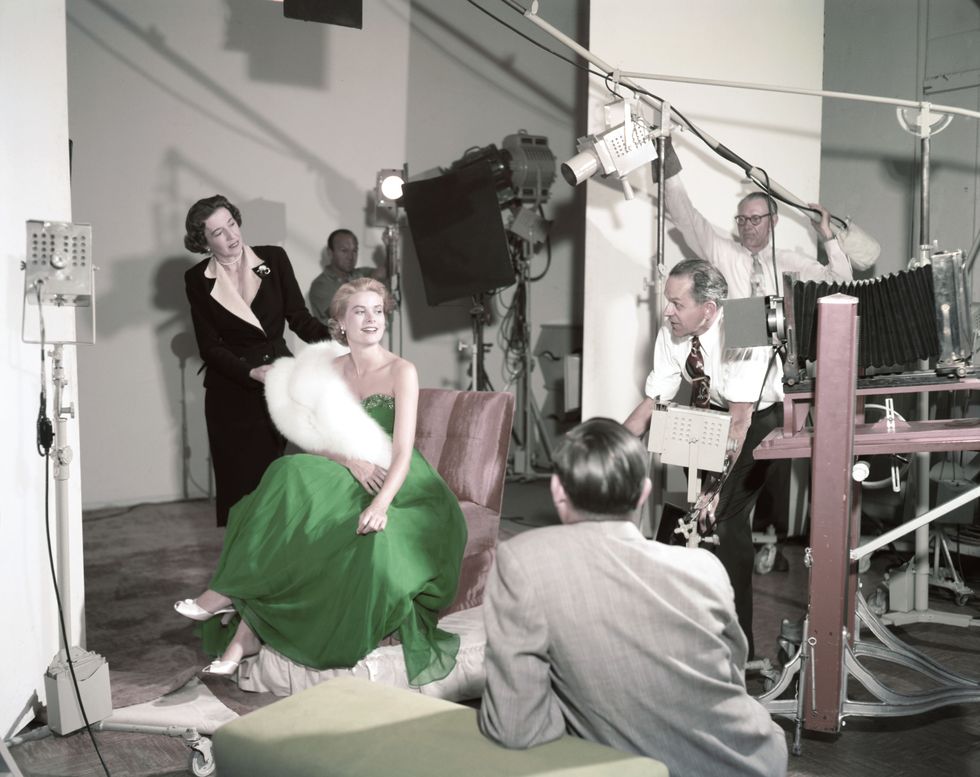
<point>595,630</point>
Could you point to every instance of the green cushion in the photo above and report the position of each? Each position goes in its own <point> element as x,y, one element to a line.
<point>349,727</point>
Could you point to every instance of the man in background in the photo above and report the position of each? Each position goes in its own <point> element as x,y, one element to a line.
<point>341,268</point>
<point>747,263</point>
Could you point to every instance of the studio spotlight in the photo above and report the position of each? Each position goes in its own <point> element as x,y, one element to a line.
<point>617,151</point>
<point>387,191</point>
<point>523,169</point>
<point>532,166</point>
<point>498,162</point>
<point>391,185</point>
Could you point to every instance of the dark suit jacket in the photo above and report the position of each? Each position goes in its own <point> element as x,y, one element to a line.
<point>231,346</point>
<point>242,437</point>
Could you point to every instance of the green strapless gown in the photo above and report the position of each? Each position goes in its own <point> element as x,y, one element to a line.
<point>324,596</point>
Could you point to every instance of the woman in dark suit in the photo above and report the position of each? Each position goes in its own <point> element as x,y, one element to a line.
<point>241,299</point>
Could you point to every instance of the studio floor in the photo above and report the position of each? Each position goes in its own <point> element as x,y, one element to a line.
<point>138,561</point>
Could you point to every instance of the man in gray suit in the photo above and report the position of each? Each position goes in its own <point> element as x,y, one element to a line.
<point>594,630</point>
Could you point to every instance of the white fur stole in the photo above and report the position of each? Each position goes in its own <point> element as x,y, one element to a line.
<point>313,407</point>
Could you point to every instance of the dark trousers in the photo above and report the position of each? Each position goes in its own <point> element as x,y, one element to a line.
<point>738,494</point>
<point>243,441</point>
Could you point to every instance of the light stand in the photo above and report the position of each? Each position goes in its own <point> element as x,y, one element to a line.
<point>59,282</point>
<point>388,191</point>
<point>532,171</point>
<point>532,428</point>
<point>479,317</point>
<point>392,240</point>
<point>924,124</point>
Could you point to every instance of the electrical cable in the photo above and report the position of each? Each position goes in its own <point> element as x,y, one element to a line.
<point>513,334</point>
<point>45,431</point>
<point>517,7</point>
<point>720,150</point>
<point>547,245</point>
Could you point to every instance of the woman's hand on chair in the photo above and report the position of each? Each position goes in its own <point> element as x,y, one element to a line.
<point>369,475</point>
<point>372,519</point>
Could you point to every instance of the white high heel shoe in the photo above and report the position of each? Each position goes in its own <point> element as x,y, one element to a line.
<point>221,668</point>
<point>189,608</point>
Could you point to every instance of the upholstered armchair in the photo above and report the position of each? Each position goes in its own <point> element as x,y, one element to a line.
<point>465,436</point>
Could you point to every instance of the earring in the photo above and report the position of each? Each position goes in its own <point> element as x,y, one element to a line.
<point>343,332</point>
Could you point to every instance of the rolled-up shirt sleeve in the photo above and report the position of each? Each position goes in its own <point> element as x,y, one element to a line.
<point>665,378</point>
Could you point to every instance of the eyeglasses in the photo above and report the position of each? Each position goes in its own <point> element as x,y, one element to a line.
<point>753,220</point>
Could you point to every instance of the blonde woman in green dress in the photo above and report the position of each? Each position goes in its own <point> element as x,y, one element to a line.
<point>358,540</point>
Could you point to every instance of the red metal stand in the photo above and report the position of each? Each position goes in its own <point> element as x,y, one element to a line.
<point>831,650</point>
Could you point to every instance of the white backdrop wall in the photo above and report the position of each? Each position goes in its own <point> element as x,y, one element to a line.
<point>174,101</point>
<point>765,42</point>
<point>33,185</point>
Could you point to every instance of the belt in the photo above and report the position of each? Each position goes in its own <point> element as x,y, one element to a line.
<point>755,413</point>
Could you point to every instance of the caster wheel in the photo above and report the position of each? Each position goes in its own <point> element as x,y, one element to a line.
<point>765,559</point>
<point>878,603</point>
<point>201,765</point>
<point>962,599</point>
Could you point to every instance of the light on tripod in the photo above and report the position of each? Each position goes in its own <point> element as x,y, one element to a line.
<point>464,223</point>
<point>522,172</point>
<point>390,185</point>
<point>387,191</point>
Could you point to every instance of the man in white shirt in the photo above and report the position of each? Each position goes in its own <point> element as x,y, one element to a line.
<point>745,381</point>
<point>747,264</point>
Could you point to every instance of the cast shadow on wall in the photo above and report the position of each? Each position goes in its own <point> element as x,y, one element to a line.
<point>259,30</point>
<point>431,25</point>
<point>180,366</point>
<point>235,111</point>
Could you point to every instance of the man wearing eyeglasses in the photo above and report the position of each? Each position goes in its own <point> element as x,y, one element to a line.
<point>747,264</point>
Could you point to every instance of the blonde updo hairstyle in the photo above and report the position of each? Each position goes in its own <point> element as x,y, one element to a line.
<point>341,300</point>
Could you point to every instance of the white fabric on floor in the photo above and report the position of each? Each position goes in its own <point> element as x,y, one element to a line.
<point>272,672</point>
<point>192,706</point>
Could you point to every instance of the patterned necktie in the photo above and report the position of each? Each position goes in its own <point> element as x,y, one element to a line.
<point>758,278</point>
<point>700,383</point>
